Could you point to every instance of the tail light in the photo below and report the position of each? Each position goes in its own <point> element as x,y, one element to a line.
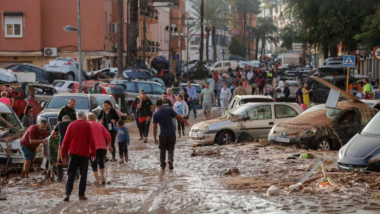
<point>68,63</point>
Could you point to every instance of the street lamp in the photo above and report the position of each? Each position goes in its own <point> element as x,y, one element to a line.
<point>70,29</point>
<point>169,5</point>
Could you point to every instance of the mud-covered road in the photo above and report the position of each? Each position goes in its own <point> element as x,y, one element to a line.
<point>200,184</point>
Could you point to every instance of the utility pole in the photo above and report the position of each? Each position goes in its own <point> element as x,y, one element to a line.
<point>79,50</point>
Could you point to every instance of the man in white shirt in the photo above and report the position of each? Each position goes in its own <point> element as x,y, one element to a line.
<point>211,82</point>
<point>225,97</point>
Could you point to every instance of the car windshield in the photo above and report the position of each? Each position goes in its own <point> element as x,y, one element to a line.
<point>256,100</point>
<point>10,118</point>
<point>101,99</point>
<point>330,112</point>
<point>372,128</point>
<point>60,101</point>
<point>240,110</point>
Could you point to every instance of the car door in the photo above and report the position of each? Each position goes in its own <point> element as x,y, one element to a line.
<point>320,92</point>
<point>283,112</point>
<point>226,66</point>
<point>260,121</point>
<point>158,90</point>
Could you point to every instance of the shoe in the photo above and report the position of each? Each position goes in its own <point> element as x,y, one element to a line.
<point>183,133</point>
<point>171,167</point>
<point>67,198</point>
<point>82,198</point>
<point>145,140</point>
<point>103,183</point>
<point>126,157</point>
<point>179,135</point>
<point>140,138</point>
<point>121,162</point>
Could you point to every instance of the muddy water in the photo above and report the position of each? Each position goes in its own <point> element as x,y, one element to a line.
<point>197,185</point>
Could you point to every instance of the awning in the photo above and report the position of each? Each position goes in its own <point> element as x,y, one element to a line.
<point>13,13</point>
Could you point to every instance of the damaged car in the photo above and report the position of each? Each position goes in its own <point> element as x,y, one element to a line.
<point>251,119</point>
<point>324,127</point>
<point>11,132</point>
<point>362,152</point>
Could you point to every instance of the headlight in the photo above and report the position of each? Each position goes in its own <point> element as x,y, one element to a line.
<point>205,129</point>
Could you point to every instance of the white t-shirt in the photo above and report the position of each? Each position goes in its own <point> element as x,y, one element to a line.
<point>211,81</point>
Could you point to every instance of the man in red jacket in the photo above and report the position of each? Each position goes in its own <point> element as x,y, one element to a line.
<point>79,142</point>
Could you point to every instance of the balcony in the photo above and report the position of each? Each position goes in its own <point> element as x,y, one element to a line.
<point>151,49</point>
<point>151,16</point>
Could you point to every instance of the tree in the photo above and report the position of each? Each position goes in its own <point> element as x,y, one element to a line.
<point>263,32</point>
<point>120,45</point>
<point>237,47</point>
<point>246,7</point>
<point>133,32</point>
<point>288,35</point>
<point>370,36</point>
<point>202,14</point>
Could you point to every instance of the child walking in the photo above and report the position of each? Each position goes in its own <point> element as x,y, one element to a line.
<point>181,108</point>
<point>123,141</point>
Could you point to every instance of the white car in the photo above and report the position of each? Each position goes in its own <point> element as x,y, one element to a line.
<point>64,86</point>
<point>243,99</point>
<point>65,68</point>
<point>223,66</point>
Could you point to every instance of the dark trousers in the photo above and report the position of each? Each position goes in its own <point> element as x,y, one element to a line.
<point>261,89</point>
<point>76,162</point>
<point>99,160</point>
<point>139,124</point>
<point>166,143</point>
<point>193,107</point>
<point>113,138</point>
<point>123,149</point>
<point>286,97</point>
<point>145,127</point>
<point>253,90</point>
<point>181,126</point>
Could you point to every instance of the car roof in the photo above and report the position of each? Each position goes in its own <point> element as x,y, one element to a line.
<point>253,96</point>
<point>194,84</point>
<point>143,81</point>
<point>265,103</point>
<point>68,81</point>
<point>345,105</point>
<point>102,95</point>
<point>4,108</point>
<point>72,94</point>
<point>41,84</point>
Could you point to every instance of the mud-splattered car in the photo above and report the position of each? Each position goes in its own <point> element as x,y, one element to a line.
<point>252,119</point>
<point>11,131</point>
<point>362,152</point>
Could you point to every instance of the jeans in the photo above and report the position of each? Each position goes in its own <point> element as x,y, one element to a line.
<point>193,106</point>
<point>76,162</point>
<point>181,126</point>
<point>145,127</point>
<point>286,98</point>
<point>123,149</point>
<point>100,156</point>
<point>253,90</point>
<point>166,143</point>
<point>217,97</point>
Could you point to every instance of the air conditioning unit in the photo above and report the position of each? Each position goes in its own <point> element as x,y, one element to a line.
<point>114,28</point>
<point>50,52</point>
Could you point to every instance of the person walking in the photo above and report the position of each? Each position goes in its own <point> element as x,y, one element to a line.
<point>218,87</point>
<point>181,108</point>
<point>240,90</point>
<point>123,141</point>
<point>67,110</point>
<point>109,117</point>
<point>171,96</point>
<point>367,90</point>
<point>135,114</point>
<point>4,99</point>
<point>225,97</point>
<point>28,118</point>
<point>167,137</point>
<point>192,95</point>
<point>299,95</point>
<point>60,129</point>
<point>166,102</point>
<point>78,142</point>
<point>261,84</point>
<point>305,93</point>
<point>207,97</point>
<point>32,138</point>
<point>101,137</point>
<point>146,109</point>
<point>9,95</point>
<point>286,91</point>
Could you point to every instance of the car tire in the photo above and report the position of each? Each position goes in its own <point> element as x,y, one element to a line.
<point>324,144</point>
<point>25,89</point>
<point>224,137</point>
<point>70,76</point>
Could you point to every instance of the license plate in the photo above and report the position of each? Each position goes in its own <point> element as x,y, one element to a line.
<point>283,140</point>
<point>18,160</point>
<point>194,135</point>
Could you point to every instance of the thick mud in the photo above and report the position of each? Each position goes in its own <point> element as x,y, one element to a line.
<point>204,181</point>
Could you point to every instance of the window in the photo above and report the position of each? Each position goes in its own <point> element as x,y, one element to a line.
<point>37,71</point>
<point>227,64</point>
<point>105,25</point>
<point>232,103</point>
<point>218,65</point>
<point>93,102</point>
<point>260,113</point>
<point>347,119</point>
<point>23,68</point>
<point>283,111</point>
<point>145,86</point>
<point>13,26</point>
<point>44,90</point>
<point>58,84</point>
<point>59,101</point>
<point>71,86</point>
<point>158,89</point>
<point>198,89</point>
<point>130,87</point>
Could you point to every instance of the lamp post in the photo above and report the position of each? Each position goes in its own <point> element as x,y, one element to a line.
<point>169,5</point>
<point>70,29</point>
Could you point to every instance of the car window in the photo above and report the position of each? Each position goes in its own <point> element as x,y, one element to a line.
<point>347,119</point>
<point>60,101</point>
<point>24,68</point>
<point>218,65</point>
<point>372,128</point>
<point>158,89</point>
<point>232,103</point>
<point>37,71</point>
<point>198,89</point>
<point>145,86</point>
<point>256,100</point>
<point>40,90</point>
<point>71,85</point>
<point>377,107</point>
<point>131,87</point>
<point>227,64</point>
<point>58,84</point>
<point>260,113</point>
<point>94,101</point>
<point>283,111</point>
<point>10,118</point>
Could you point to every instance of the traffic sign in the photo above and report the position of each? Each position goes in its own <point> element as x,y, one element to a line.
<point>376,53</point>
<point>349,61</point>
<point>291,51</point>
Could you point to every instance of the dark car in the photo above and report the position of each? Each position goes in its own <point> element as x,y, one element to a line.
<point>362,152</point>
<point>326,71</point>
<point>321,92</point>
<point>42,75</point>
<point>324,128</point>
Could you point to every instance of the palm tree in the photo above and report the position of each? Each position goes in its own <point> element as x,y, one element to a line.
<point>202,14</point>
<point>133,32</point>
<point>263,32</point>
<point>120,45</point>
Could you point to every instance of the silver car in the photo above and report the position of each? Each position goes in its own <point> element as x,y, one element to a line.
<point>242,99</point>
<point>65,68</point>
<point>293,87</point>
<point>252,119</point>
<point>43,92</point>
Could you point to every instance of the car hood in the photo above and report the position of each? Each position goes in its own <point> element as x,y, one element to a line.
<point>53,112</point>
<point>361,146</point>
<point>212,123</point>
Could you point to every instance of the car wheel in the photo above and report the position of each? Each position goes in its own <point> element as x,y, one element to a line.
<point>225,137</point>
<point>70,76</point>
<point>324,144</point>
<point>25,89</point>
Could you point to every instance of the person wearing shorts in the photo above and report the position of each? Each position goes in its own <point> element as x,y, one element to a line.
<point>208,98</point>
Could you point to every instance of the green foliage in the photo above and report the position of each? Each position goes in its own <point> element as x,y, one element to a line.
<point>248,6</point>
<point>370,36</point>
<point>237,47</point>
<point>287,35</point>
<point>200,70</point>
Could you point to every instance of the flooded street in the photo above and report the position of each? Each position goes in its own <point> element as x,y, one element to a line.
<point>204,180</point>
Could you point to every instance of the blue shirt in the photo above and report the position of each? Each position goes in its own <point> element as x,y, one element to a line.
<point>163,116</point>
<point>191,92</point>
<point>122,134</point>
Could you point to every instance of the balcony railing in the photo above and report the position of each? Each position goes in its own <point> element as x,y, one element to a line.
<point>151,46</point>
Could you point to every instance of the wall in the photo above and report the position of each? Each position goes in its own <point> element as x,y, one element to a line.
<point>159,32</point>
<point>31,40</point>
